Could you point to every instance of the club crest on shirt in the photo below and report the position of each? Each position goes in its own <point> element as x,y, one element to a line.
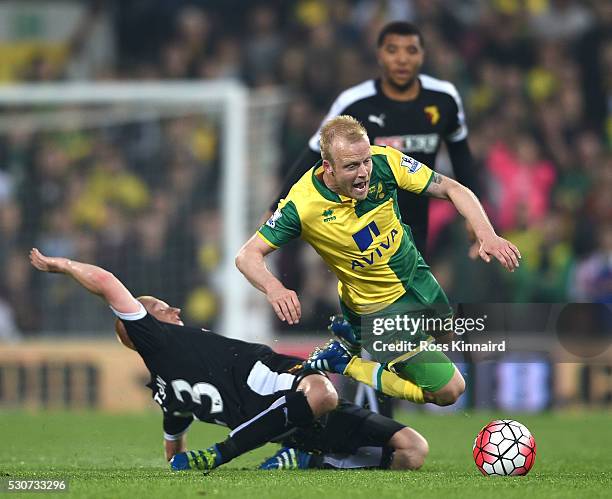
<point>412,164</point>
<point>433,113</point>
<point>272,220</point>
<point>377,191</point>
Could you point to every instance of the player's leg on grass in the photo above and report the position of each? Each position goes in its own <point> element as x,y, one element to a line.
<point>409,450</point>
<point>354,437</point>
<point>313,397</point>
<point>405,449</point>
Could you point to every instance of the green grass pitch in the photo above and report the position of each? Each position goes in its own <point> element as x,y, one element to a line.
<point>121,456</point>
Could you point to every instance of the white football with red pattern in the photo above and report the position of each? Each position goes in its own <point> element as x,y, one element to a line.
<point>504,447</point>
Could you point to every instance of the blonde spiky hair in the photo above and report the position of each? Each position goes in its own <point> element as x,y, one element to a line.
<point>345,127</point>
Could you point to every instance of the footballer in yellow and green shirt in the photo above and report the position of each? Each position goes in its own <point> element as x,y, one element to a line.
<point>346,208</point>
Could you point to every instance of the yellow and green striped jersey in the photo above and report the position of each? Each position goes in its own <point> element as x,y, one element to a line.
<point>363,242</point>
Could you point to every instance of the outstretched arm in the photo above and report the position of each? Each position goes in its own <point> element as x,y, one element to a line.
<point>95,279</point>
<point>250,261</point>
<point>468,205</point>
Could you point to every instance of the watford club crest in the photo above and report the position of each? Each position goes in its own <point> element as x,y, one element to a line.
<point>433,114</point>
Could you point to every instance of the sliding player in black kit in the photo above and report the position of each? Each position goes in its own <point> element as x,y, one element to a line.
<point>259,394</point>
<point>198,374</point>
<point>408,111</point>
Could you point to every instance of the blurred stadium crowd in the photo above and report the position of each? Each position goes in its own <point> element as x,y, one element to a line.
<point>535,77</point>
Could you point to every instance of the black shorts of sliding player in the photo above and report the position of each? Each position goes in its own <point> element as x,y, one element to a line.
<point>284,414</point>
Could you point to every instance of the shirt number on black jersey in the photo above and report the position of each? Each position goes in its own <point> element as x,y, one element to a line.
<point>197,391</point>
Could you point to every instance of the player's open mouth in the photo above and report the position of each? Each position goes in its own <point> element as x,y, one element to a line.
<point>361,187</point>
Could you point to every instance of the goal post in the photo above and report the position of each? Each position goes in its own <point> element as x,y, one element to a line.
<point>230,100</point>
